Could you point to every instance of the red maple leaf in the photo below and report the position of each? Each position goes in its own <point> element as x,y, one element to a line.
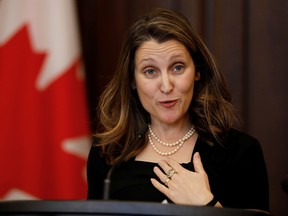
<point>33,124</point>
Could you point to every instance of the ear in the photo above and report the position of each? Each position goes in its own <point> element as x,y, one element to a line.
<point>197,76</point>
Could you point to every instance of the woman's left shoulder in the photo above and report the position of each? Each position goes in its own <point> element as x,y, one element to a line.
<point>237,135</point>
<point>239,140</point>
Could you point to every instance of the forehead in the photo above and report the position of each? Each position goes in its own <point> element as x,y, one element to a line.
<point>152,48</point>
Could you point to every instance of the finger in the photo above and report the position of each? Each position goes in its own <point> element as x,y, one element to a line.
<point>168,170</point>
<point>164,166</point>
<point>198,166</point>
<point>163,189</point>
<point>173,164</point>
<point>162,176</point>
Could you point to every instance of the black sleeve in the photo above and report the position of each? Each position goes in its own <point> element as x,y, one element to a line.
<point>247,179</point>
<point>96,174</point>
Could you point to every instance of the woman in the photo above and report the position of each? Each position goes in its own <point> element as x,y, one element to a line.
<point>166,123</point>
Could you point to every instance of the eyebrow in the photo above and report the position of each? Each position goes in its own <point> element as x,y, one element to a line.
<point>146,60</point>
<point>172,57</point>
<point>181,55</point>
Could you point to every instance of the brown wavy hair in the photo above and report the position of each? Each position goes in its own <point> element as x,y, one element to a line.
<point>122,118</point>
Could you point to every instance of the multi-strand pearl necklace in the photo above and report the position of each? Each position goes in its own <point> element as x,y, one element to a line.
<point>178,143</point>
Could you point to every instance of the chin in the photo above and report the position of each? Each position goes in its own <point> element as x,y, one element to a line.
<point>170,120</point>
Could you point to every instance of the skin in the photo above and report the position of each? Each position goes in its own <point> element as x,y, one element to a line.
<point>164,79</point>
<point>185,187</point>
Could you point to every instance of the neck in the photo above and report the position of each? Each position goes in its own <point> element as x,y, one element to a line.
<point>169,132</point>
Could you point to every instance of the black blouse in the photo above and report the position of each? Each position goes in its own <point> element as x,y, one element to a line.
<point>237,174</point>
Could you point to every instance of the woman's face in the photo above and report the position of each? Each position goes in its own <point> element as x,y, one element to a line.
<point>164,80</point>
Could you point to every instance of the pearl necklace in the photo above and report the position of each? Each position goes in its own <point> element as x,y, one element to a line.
<point>178,143</point>
<point>183,139</point>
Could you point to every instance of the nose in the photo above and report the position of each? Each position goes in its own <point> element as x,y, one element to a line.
<point>166,84</point>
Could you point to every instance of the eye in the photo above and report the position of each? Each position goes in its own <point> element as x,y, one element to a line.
<point>150,72</point>
<point>178,68</point>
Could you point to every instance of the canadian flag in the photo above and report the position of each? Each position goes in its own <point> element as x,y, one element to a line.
<point>44,133</point>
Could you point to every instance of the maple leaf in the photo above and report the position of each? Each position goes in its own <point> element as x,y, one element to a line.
<point>34,123</point>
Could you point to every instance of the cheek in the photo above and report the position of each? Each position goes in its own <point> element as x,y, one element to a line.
<point>145,92</point>
<point>186,89</point>
<point>146,99</point>
<point>186,86</point>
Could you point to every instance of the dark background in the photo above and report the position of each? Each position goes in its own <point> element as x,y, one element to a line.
<point>249,41</point>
